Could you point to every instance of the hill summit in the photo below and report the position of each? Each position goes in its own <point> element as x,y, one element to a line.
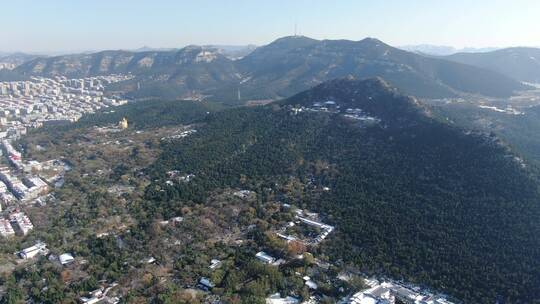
<point>410,197</point>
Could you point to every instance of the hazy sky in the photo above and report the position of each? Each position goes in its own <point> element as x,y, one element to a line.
<point>74,25</point>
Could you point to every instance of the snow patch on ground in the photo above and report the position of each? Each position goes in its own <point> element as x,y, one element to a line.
<point>508,110</point>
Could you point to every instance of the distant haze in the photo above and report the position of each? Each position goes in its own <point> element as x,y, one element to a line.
<point>441,50</point>
<point>74,26</point>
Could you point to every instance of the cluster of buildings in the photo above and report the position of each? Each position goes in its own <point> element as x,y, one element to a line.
<point>358,114</point>
<point>243,194</point>
<point>325,229</point>
<point>326,106</point>
<point>44,101</point>
<point>331,106</point>
<point>310,219</point>
<point>14,156</point>
<point>178,176</point>
<point>180,135</point>
<point>379,292</point>
<point>30,187</point>
<point>5,195</point>
<point>26,180</point>
<point>122,124</point>
<point>277,299</point>
<point>100,296</point>
<point>5,228</point>
<point>17,222</point>
<point>390,293</point>
<point>7,65</point>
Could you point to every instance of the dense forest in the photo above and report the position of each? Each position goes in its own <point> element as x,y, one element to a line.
<point>518,130</point>
<point>411,197</point>
<point>142,115</point>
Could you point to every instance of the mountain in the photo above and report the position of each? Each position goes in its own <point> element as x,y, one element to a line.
<point>77,65</point>
<point>442,50</point>
<point>411,197</point>
<point>292,64</point>
<point>172,73</point>
<point>234,51</point>
<point>282,68</point>
<point>428,49</point>
<point>516,121</point>
<point>151,49</point>
<point>519,63</point>
<point>12,60</point>
<point>230,51</point>
<point>106,62</point>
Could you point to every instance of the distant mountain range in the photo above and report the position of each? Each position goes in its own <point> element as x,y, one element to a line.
<point>234,51</point>
<point>279,69</point>
<point>16,58</point>
<point>520,63</point>
<point>443,50</point>
<point>291,64</point>
<point>230,51</point>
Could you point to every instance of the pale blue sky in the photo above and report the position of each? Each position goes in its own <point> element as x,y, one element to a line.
<point>66,25</point>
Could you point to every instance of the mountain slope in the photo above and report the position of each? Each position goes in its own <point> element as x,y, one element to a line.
<point>282,68</point>
<point>522,63</point>
<point>410,197</point>
<point>292,64</point>
<point>176,73</point>
<point>16,59</point>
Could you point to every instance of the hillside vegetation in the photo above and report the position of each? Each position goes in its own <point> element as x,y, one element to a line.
<point>411,197</point>
<point>279,69</point>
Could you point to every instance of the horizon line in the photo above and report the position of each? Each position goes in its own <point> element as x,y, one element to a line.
<point>60,52</point>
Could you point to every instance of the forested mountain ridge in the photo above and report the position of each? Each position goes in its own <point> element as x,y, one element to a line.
<point>16,59</point>
<point>369,95</point>
<point>110,62</point>
<point>520,63</point>
<point>410,197</point>
<point>279,69</point>
<point>292,64</point>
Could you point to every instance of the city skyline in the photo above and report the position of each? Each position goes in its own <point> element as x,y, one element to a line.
<point>100,25</point>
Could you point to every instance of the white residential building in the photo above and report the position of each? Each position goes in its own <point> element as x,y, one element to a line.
<point>277,299</point>
<point>264,257</point>
<point>66,258</point>
<point>22,222</point>
<point>30,252</point>
<point>5,228</point>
